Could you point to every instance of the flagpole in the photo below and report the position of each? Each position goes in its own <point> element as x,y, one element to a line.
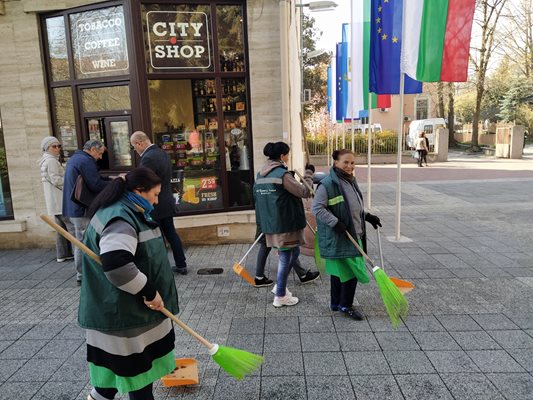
<point>352,67</point>
<point>369,153</point>
<point>399,161</point>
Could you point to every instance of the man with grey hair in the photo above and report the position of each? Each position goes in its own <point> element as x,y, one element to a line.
<point>157,160</point>
<point>82,162</point>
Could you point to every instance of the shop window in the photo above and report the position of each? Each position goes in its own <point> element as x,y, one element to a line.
<point>57,49</point>
<point>6,207</point>
<point>178,37</point>
<point>64,119</point>
<point>110,98</point>
<point>99,43</point>
<point>230,33</point>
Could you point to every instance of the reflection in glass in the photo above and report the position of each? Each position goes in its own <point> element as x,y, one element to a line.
<point>120,143</point>
<point>64,119</point>
<point>99,43</point>
<point>110,98</point>
<point>230,28</point>
<point>57,49</point>
<point>6,207</point>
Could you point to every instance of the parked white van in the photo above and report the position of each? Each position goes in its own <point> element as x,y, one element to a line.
<point>363,128</point>
<point>429,126</point>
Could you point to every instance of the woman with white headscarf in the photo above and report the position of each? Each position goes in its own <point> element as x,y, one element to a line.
<point>52,173</point>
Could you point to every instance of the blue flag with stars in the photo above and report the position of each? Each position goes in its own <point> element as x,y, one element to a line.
<point>385,49</point>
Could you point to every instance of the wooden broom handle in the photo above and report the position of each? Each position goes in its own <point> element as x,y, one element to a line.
<point>251,247</point>
<point>360,249</point>
<point>96,258</point>
<point>305,183</point>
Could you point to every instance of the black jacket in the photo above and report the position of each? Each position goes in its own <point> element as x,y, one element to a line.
<point>159,162</point>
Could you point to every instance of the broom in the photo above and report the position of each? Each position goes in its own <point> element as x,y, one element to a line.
<point>235,362</point>
<point>395,302</point>
<point>240,270</point>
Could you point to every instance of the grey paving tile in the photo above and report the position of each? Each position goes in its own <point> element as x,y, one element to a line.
<point>228,388</point>
<point>59,348</point>
<point>343,324</point>
<point>366,363</point>
<point>61,390</point>
<point>323,387</point>
<point>524,357</point>
<point>383,324</point>
<point>472,386</point>
<point>283,388</point>
<point>71,331</point>
<point>19,390</point>
<point>14,331</point>
<point>458,323</point>
<point>475,340</point>
<point>44,331</point>
<point>282,342</point>
<point>283,364</point>
<point>324,363</point>
<point>423,386</point>
<point>319,341</point>
<point>513,386</point>
<point>282,325</point>
<point>316,324</point>
<point>494,361</point>
<point>4,344</point>
<point>357,341</point>
<point>247,326</point>
<point>451,361</point>
<point>408,362</point>
<point>423,323</point>
<point>512,339</point>
<point>9,367</point>
<point>494,322</point>
<point>23,349</point>
<point>36,370</point>
<point>376,387</point>
<point>396,341</point>
<point>252,343</point>
<point>435,341</point>
<point>523,320</point>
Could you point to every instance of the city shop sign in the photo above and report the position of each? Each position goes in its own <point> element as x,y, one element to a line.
<point>178,40</point>
<point>101,42</point>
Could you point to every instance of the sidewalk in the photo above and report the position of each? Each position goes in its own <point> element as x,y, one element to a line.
<point>469,333</point>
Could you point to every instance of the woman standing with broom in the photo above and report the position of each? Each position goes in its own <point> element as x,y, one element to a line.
<point>279,212</point>
<point>130,344</point>
<point>338,208</point>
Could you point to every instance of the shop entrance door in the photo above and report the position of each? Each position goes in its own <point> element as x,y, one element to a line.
<point>115,133</point>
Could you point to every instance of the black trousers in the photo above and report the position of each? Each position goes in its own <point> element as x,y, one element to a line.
<point>142,394</point>
<point>169,232</point>
<point>342,294</point>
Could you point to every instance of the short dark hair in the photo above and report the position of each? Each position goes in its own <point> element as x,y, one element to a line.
<point>275,150</point>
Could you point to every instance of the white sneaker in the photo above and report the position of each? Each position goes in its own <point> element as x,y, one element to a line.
<point>287,293</point>
<point>286,300</point>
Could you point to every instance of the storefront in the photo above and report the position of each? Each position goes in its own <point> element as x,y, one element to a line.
<point>209,81</point>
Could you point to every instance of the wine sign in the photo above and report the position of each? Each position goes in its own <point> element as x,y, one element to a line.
<point>178,40</point>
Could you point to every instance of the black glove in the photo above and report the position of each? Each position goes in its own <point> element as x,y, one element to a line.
<point>310,167</point>
<point>373,220</point>
<point>340,228</point>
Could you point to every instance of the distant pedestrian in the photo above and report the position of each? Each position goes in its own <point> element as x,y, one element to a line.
<point>130,344</point>
<point>52,175</point>
<point>158,161</point>
<point>422,148</point>
<point>82,162</point>
<point>280,213</point>
<point>338,208</point>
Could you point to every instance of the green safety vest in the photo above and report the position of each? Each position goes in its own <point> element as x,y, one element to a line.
<point>102,305</point>
<point>276,209</point>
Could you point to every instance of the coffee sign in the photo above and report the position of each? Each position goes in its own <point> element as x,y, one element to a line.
<point>178,40</point>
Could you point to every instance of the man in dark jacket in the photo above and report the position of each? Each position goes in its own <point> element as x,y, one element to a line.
<point>158,161</point>
<point>82,162</point>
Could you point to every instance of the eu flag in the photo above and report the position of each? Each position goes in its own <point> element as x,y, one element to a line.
<point>341,80</point>
<point>385,49</point>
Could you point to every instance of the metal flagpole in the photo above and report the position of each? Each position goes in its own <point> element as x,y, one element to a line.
<point>399,161</point>
<point>369,154</point>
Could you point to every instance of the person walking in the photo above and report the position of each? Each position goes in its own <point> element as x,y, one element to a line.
<point>422,148</point>
<point>279,212</point>
<point>338,208</point>
<point>82,162</point>
<point>130,344</point>
<point>52,173</point>
<point>158,161</point>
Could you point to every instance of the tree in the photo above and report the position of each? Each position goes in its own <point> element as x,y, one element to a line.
<point>451,113</point>
<point>517,33</point>
<point>488,13</point>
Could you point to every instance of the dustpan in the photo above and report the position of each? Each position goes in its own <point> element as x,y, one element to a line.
<point>403,286</point>
<point>186,373</point>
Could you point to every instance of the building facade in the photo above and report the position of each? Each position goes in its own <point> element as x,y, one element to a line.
<point>211,82</point>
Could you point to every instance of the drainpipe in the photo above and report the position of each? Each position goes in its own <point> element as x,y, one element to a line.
<point>285,7</point>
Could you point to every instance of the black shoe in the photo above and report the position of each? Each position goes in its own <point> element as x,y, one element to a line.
<point>78,282</point>
<point>180,270</point>
<point>310,276</point>
<point>263,282</point>
<point>352,313</point>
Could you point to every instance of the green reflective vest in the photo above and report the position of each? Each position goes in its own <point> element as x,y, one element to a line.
<point>330,243</point>
<point>277,210</point>
<point>102,305</point>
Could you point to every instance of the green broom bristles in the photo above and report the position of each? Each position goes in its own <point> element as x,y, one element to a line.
<point>395,302</point>
<point>235,362</point>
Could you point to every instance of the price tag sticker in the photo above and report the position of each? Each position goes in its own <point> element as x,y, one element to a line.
<point>209,182</point>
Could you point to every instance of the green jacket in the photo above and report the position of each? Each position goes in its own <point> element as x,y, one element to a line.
<point>102,305</point>
<point>276,209</point>
<point>331,244</point>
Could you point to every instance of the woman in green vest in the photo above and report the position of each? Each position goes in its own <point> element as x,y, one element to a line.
<point>130,344</point>
<point>279,212</point>
<point>338,208</point>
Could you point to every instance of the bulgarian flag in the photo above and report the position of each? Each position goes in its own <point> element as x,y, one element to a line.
<point>436,45</point>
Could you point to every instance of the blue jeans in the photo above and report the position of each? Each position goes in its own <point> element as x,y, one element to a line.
<point>287,258</point>
<point>169,232</point>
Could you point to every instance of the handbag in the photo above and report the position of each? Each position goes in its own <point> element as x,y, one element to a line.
<point>81,194</point>
<point>415,155</point>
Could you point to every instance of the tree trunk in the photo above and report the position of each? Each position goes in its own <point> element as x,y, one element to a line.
<point>475,120</point>
<point>451,114</point>
<point>440,105</point>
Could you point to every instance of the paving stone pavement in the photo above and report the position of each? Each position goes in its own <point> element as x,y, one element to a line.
<point>469,333</point>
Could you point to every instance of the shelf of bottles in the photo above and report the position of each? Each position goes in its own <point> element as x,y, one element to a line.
<point>231,61</point>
